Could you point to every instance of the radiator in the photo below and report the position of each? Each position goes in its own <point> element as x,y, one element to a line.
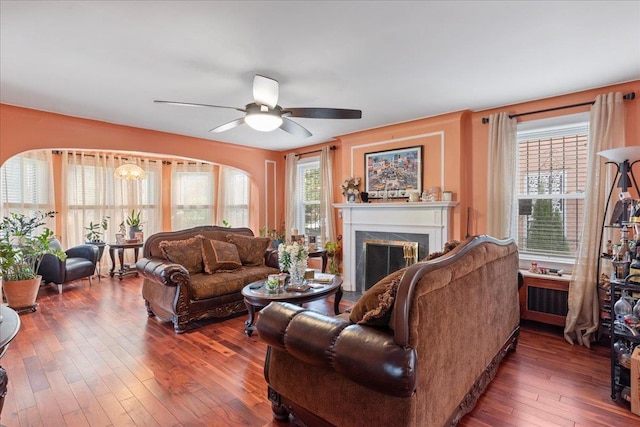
<point>544,299</point>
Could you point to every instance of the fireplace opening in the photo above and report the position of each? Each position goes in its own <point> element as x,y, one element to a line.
<point>382,257</point>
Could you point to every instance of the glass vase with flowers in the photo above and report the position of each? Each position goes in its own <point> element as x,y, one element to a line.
<point>293,257</point>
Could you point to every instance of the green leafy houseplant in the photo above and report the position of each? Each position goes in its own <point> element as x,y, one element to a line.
<point>96,230</point>
<point>21,250</point>
<point>133,220</point>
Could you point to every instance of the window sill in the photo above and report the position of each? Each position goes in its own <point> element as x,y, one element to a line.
<point>558,263</point>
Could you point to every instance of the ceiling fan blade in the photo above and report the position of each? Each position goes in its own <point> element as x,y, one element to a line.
<point>265,91</point>
<point>323,113</point>
<point>294,128</point>
<point>192,104</point>
<point>227,126</point>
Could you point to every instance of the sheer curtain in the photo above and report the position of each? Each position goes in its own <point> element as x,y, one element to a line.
<point>290,201</point>
<point>192,194</point>
<point>233,197</point>
<point>501,175</point>
<point>27,184</point>
<point>327,221</point>
<point>606,129</point>
<point>90,192</point>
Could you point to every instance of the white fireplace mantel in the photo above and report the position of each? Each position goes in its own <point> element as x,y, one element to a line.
<point>431,218</point>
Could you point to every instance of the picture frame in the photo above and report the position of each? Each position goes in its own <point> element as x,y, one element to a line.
<point>139,236</point>
<point>119,238</point>
<point>392,173</point>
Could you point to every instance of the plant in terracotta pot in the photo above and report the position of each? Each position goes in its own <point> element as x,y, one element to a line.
<point>134,222</point>
<point>21,251</point>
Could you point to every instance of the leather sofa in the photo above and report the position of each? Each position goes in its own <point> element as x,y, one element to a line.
<point>421,357</point>
<point>80,263</point>
<point>179,287</point>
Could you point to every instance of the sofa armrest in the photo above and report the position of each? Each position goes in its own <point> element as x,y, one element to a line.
<point>89,252</point>
<point>162,271</point>
<point>364,354</point>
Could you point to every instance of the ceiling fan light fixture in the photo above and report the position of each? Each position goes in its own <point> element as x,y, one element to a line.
<point>263,119</point>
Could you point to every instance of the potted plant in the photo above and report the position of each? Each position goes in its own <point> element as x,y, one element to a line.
<point>278,236</point>
<point>333,249</point>
<point>21,251</point>
<point>96,230</point>
<point>134,222</point>
<point>95,234</point>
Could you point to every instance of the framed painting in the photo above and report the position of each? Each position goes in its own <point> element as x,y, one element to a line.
<point>392,173</point>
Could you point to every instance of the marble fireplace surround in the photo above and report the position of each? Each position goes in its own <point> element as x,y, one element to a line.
<point>429,218</point>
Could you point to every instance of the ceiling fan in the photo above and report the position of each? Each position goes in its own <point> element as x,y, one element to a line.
<point>264,113</point>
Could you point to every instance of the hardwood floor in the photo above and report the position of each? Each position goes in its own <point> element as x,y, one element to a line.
<point>91,357</point>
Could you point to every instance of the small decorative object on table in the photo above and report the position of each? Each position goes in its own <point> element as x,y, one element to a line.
<point>350,189</point>
<point>293,258</point>
<point>272,283</point>
<point>332,249</point>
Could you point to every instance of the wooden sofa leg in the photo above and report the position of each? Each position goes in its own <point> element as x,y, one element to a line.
<point>60,289</point>
<point>150,312</point>
<point>280,412</point>
<point>180,324</point>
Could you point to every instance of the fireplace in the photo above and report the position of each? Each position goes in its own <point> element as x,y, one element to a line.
<point>428,223</point>
<point>381,257</point>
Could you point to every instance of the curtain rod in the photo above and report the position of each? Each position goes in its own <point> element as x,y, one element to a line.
<point>126,159</point>
<point>630,95</point>
<point>333,147</point>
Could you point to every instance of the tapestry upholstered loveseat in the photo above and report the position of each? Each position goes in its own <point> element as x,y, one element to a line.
<point>199,273</point>
<point>417,349</point>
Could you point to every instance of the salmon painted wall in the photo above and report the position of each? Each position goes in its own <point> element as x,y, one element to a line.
<point>443,146</point>
<point>463,168</point>
<point>23,129</point>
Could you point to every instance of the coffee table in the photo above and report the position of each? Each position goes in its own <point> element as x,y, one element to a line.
<point>261,297</point>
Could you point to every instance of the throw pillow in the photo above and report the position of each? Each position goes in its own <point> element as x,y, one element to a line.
<point>447,248</point>
<point>371,298</point>
<point>381,314</point>
<point>219,256</point>
<point>251,249</point>
<point>186,252</point>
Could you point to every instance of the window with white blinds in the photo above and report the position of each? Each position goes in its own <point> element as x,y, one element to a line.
<point>233,199</point>
<point>308,189</point>
<point>192,195</point>
<point>27,185</point>
<point>92,193</point>
<point>551,182</point>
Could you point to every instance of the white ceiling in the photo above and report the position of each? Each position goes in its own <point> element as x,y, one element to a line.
<point>396,61</point>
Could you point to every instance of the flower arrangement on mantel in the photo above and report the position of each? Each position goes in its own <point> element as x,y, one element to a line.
<point>350,188</point>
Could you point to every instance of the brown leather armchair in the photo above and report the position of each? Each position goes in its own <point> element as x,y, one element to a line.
<point>80,263</point>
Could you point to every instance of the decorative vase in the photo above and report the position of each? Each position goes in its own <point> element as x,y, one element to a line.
<point>132,231</point>
<point>21,294</point>
<point>297,271</point>
<point>622,307</point>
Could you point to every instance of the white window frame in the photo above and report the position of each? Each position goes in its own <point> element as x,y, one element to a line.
<point>304,165</point>
<point>547,128</point>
